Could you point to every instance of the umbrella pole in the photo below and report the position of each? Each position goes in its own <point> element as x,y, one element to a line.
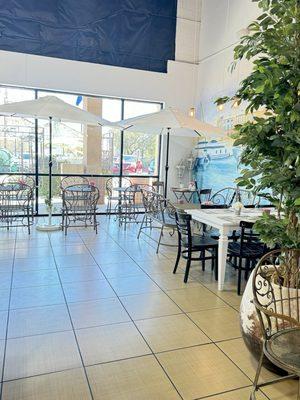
<point>50,159</point>
<point>167,162</point>
<point>49,226</point>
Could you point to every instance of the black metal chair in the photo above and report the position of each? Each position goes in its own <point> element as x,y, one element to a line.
<point>16,205</point>
<point>159,214</point>
<point>189,244</point>
<point>110,185</point>
<point>132,203</point>
<point>24,180</point>
<point>248,249</point>
<point>229,195</point>
<point>79,205</point>
<point>276,296</point>
<point>203,194</point>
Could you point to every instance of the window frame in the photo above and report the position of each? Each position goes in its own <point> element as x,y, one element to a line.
<point>36,174</point>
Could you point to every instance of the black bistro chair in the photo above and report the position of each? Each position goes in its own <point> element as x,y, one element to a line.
<point>248,249</point>
<point>188,244</point>
<point>79,204</point>
<point>114,197</point>
<point>203,194</point>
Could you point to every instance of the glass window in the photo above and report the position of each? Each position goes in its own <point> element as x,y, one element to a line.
<point>141,150</point>
<point>17,135</point>
<point>77,149</point>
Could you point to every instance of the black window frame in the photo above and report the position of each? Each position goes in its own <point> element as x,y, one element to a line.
<point>36,174</point>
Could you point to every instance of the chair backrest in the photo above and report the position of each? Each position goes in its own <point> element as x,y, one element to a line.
<point>183,223</point>
<point>80,197</point>
<point>229,195</point>
<point>130,194</point>
<point>224,196</point>
<point>15,195</point>
<point>276,291</point>
<point>247,235</point>
<point>247,198</point>
<point>204,195</point>
<point>213,206</point>
<point>138,195</point>
<point>73,180</point>
<point>159,186</point>
<point>22,179</point>
<point>114,182</point>
<point>157,206</point>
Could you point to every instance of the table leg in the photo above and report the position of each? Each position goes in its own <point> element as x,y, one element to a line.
<point>223,246</point>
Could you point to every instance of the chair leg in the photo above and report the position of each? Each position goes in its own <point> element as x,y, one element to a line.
<point>239,276</point>
<point>187,268</point>
<point>28,221</point>
<point>125,218</point>
<point>159,240</point>
<point>256,379</point>
<point>141,226</point>
<point>95,223</point>
<point>62,220</point>
<point>202,256</point>
<point>247,269</point>
<point>66,225</point>
<point>109,208</point>
<point>177,258</point>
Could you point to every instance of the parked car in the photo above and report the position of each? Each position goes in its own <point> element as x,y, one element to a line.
<point>131,165</point>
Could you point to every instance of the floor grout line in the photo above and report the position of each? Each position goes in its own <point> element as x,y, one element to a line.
<point>73,329</point>
<point>157,360</point>
<point>214,343</point>
<point>98,264</point>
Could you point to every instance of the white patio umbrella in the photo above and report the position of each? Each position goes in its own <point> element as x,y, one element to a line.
<point>171,122</point>
<point>54,109</point>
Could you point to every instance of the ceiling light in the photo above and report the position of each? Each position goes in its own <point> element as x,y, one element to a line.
<point>192,112</point>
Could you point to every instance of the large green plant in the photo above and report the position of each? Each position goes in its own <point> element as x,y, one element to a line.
<point>271,144</point>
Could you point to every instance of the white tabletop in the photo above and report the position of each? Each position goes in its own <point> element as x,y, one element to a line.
<point>224,217</point>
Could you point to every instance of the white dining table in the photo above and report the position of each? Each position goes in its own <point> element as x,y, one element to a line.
<point>225,221</point>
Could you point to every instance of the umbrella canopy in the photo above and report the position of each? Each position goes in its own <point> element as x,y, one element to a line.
<point>173,121</point>
<point>54,109</point>
<point>51,107</point>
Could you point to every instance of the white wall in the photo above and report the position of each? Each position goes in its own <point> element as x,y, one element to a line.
<point>206,32</point>
<point>172,88</point>
<point>221,25</point>
<point>188,30</point>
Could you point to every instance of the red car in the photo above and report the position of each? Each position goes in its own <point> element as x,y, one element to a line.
<point>131,165</point>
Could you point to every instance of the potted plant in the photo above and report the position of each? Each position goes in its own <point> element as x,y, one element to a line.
<point>271,142</point>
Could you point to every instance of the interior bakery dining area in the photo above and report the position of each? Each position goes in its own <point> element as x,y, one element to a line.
<point>149,200</point>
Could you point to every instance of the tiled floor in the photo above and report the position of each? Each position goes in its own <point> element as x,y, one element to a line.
<point>102,317</point>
